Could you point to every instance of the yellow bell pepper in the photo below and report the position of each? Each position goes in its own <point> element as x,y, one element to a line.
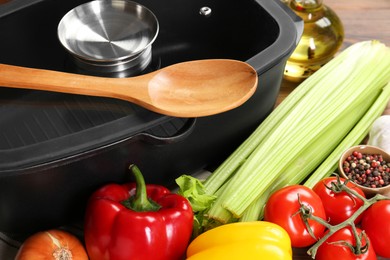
<point>242,240</point>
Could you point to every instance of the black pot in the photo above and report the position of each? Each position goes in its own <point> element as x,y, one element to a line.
<point>55,149</point>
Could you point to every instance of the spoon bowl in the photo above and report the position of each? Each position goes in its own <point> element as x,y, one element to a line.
<point>188,89</point>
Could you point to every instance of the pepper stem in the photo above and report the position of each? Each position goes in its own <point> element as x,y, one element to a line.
<point>140,201</point>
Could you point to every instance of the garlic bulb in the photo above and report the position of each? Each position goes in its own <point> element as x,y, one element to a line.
<point>380,133</point>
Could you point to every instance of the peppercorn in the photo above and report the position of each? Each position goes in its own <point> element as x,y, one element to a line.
<point>369,170</point>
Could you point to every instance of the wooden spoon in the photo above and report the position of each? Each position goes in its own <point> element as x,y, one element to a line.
<point>188,89</point>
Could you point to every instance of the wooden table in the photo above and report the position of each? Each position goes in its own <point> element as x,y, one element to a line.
<point>362,20</point>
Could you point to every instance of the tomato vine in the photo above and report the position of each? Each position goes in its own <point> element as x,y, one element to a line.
<point>338,187</point>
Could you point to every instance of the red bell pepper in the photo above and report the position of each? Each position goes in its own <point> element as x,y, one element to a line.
<point>137,221</point>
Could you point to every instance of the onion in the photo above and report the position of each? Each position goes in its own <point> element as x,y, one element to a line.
<point>52,245</point>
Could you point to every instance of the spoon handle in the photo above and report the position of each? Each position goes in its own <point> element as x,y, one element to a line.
<point>39,79</point>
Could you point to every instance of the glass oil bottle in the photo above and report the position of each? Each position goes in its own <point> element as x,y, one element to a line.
<point>322,37</point>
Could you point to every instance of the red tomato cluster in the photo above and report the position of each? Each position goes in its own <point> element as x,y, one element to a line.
<point>283,208</point>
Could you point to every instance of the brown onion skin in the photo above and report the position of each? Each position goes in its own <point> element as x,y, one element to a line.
<point>41,246</point>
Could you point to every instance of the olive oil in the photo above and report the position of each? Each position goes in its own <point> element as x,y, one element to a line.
<point>322,37</point>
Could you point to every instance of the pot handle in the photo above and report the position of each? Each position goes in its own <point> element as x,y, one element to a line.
<point>298,22</point>
<point>179,136</point>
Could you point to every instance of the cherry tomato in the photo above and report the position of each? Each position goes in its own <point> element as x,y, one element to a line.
<point>282,208</point>
<point>376,223</point>
<point>338,206</point>
<point>330,250</point>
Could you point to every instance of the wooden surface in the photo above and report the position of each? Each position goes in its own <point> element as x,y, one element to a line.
<point>362,20</point>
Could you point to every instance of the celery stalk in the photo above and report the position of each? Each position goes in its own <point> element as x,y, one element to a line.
<point>307,162</point>
<point>226,169</point>
<point>321,116</point>
<point>356,136</point>
<point>235,160</point>
<point>255,211</point>
<point>346,85</point>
